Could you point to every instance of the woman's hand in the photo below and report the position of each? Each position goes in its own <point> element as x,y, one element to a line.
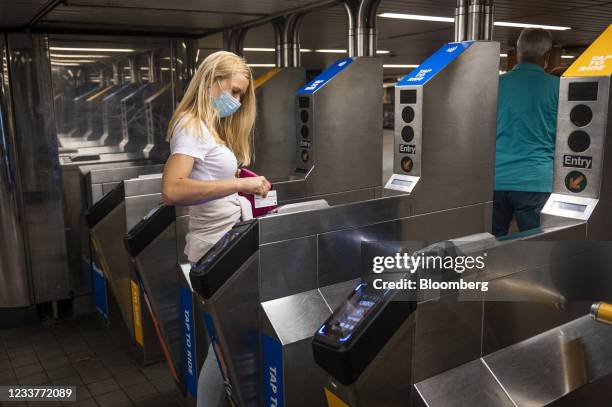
<point>254,185</point>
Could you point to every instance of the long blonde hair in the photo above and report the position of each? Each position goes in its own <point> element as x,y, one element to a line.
<point>234,131</point>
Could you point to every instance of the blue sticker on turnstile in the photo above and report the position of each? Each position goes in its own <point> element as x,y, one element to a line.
<point>434,64</point>
<point>189,372</point>
<point>214,341</point>
<point>99,290</point>
<point>273,372</point>
<point>324,77</point>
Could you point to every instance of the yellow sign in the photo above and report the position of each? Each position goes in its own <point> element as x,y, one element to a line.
<point>265,77</point>
<point>333,400</point>
<point>596,60</point>
<point>136,310</point>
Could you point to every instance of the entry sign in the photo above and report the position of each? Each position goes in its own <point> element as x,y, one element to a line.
<point>434,64</point>
<point>596,60</point>
<point>325,77</point>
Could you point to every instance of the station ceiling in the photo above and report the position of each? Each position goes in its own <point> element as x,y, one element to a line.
<point>407,41</point>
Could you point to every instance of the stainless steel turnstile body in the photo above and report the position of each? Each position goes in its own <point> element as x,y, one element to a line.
<point>109,221</point>
<point>76,197</point>
<point>526,341</point>
<point>450,328</point>
<point>275,128</point>
<point>305,263</point>
<point>338,146</point>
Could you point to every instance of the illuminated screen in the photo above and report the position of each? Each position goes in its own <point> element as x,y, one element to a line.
<point>350,315</point>
<point>569,206</point>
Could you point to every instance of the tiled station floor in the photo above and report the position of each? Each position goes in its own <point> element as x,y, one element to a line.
<point>85,353</point>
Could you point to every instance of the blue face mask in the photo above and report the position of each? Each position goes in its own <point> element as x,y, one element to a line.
<point>226,104</point>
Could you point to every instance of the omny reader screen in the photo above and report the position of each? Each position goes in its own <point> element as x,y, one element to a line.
<point>340,327</point>
<point>569,206</point>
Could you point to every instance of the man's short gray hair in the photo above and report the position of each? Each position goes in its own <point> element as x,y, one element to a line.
<point>533,43</point>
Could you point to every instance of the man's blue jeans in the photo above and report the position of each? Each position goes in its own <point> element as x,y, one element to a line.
<point>525,206</point>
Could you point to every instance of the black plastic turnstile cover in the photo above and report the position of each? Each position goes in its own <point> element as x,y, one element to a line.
<point>151,226</point>
<point>225,258</point>
<point>346,359</point>
<point>104,206</point>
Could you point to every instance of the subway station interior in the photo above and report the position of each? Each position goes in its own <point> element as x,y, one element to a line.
<point>376,125</point>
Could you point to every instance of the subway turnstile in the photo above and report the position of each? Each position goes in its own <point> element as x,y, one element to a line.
<point>288,263</point>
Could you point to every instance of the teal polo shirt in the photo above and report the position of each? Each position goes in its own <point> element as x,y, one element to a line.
<point>526,129</point>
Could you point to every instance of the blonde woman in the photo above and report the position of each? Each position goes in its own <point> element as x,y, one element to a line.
<point>210,136</point>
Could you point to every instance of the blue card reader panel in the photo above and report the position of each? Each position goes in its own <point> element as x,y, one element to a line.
<point>325,76</point>
<point>434,64</point>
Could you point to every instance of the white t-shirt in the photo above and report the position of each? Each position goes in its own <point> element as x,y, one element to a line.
<point>213,161</point>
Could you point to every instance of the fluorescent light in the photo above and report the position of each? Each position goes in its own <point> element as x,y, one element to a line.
<point>305,50</point>
<point>64,63</point>
<point>259,49</point>
<point>417,17</point>
<point>382,51</point>
<point>261,65</point>
<point>452,20</point>
<point>78,56</point>
<point>92,49</point>
<point>400,66</point>
<point>568,56</point>
<point>331,51</point>
<point>503,55</point>
<point>81,61</point>
<point>525,25</point>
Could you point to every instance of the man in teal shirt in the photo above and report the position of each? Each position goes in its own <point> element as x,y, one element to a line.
<point>526,131</point>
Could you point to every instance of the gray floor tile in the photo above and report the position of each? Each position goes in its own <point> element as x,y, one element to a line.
<point>50,364</point>
<point>141,391</point>
<point>131,379</point>
<point>50,353</point>
<point>35,379</point>
<point>62,372</point>
<point>20,350</point>
<point>28,370</point>
<point>25,359</point>
<point>95,375</point>
<point>7,375</point>
<point>5,365</point>
<point>101,387</point>
<point>83,403</point>
<point>114,399</point>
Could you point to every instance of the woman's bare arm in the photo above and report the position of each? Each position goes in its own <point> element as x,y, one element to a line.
<point>179,189</point>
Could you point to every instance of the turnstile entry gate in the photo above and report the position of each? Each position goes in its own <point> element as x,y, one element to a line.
<point>445,352</point>
<point>338,123</point>
<point>109,219</point>
<point>155,246</point>
<point>269,284</point>
<point>583,155</point>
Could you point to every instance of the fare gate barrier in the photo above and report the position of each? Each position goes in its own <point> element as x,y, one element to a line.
<point>155,246</point>
<point>108,221</point>
<point>583,164</point>
<point>505,359</point>
<point>268,286</point>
